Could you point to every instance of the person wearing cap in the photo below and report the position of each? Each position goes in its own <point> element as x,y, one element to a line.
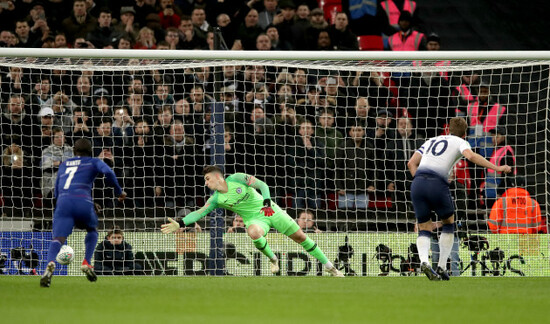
<point>80,23</point>
<point>407,39</point>
<point>317,24</point>
<point>393,12</point>
<point>343,39</point>
<point>127,24</point>
<point>503,154</point>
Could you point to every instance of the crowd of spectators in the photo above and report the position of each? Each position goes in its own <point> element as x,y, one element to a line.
<point>320,139</point>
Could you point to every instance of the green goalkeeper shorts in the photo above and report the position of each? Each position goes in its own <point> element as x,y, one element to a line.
<point>280,221</point>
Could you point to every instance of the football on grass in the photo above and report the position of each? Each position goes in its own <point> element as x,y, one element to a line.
<point>65,255</point>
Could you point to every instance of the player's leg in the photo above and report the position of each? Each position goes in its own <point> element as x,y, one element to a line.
<point>88,221</point>
<point>257,231</point>
<point>63,224</point>
<point>446,241</point>
<point>420,199</point>
<point>312,248</point>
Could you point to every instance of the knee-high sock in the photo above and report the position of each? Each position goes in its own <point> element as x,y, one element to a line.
<point>423,245</point>
<point>90,242</point>
<point>55,246</point>
<point>446,241</point>
<point>261,244</point>
<point>311,247</point>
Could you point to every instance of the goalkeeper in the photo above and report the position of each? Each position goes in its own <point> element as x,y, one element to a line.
<point>237,193</point>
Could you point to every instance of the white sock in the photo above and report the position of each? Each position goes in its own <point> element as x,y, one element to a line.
<point>423,245</point>
<point>328,265</point>
<point>446,241</point>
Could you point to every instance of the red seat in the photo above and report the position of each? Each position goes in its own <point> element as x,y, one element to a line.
<point>330,11</point>
<point>370,43</point>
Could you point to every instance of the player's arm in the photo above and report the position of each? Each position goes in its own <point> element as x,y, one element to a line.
<point>481,161</point>
<point>258,184</point>
<point>414,162</point>
<point>110,178</point>
<point>191,218</point>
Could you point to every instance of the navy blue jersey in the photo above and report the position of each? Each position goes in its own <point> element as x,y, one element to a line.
<point>76,177</point>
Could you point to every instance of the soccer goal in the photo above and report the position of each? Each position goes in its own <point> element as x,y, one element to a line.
<point>329,132</point>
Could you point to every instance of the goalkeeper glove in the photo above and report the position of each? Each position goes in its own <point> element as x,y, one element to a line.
<point>268,211</point>
<point>172,226</point>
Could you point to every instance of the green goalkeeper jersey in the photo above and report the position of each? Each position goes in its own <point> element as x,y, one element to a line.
<point>241,197</point>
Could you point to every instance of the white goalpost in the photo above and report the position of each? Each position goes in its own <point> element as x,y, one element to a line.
<point>329,132</point>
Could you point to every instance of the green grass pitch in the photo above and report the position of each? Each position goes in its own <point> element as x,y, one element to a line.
<point>204,300</point>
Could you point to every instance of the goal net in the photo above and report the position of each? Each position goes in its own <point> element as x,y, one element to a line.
<point>330,134</point>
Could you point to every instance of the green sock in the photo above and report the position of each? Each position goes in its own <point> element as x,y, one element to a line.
<point>261,244</point>
<point>312,248</point>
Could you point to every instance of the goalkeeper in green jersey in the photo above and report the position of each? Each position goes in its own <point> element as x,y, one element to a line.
<point>238,194</point>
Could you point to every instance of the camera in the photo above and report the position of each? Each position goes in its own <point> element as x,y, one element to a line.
<point>82,45</point>
<point>169,6</point>
<point>79,120</point>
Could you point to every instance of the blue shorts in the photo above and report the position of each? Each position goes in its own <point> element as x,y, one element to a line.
<point>430,192</point>
<point>71,212</point>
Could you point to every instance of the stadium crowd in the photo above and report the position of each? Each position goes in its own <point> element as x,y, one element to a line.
<point>319,139</point>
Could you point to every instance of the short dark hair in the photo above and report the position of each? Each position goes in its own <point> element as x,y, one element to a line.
<point>458,126</point>
<point>212,168</point>
<point>82,147</point>
<point>115,230</point>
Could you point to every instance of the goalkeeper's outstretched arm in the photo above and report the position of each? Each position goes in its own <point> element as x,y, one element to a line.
<point>191,218</point>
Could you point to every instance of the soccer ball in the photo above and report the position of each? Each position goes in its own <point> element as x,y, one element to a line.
<point>65,255</point>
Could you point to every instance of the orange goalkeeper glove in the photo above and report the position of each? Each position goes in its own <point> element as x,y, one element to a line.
<point>268,211</point>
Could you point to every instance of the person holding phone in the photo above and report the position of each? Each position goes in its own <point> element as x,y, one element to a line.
<point>80,129</point>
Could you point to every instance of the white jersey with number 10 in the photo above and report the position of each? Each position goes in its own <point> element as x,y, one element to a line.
<point>439,154</point>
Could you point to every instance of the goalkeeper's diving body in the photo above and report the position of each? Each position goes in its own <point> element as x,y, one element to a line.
<point>238,193</point>
<point>430,166</point>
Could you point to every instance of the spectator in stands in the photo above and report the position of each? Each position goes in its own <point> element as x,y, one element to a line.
<point>16,81</point>
<point>104,35</point>
<point>62,107</point>
<point>171,39</point>
<point>114,256</point>
<point>300,27</point>
<point>404,145</point>
<point>143,9</point>
<point>61,41</point>
<point>324,43</point>
<point>307,165</point>
<point>269,13</point>
<point>333,141</point>
<point>82,126</point>
<point>43,138</point>
<point>26,38</point>
<point>286,124</point>
<point>227,28</point>
<point>52,157</point>
<point>407,39</point>
<point>103,138</point>
<point>284,23</point>
<point>168,17</point>
<point>7,39</point>
<point>465,93</point>
<point>201,108</point>
<point>343,39</point>
<point>162,97</point>
<point>127,26</point>
<point>153,23</point>
<point>83,96</point>
<point>382,136</point>
<point>300,83</point>
<point>123,127</point>
<point>263,43</point>
<point>355,176</point>
<point>306,221</point>
<point>198,18</point>
<point>143,179</point>
<point>146,39</point>
<point>249,30</point>
<point>162,125</point>
<point>138,107</point>
<point>335,92</point>
<point>125,43</point>
<point>16,123</point>
<point>503,154</point>
<point>485,113</point>
<point>237,225</point>
<point>80,23</point>
<point>318,24</point>
<point>39,24</point>
<point>363,114</point>
<point>16,189</point>
<point>178,166</point>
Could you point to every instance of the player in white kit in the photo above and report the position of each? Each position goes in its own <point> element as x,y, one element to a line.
<point>430,166</point>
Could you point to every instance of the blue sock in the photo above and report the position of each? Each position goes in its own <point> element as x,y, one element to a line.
<point>55,246</point>
<point>90,243</point>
